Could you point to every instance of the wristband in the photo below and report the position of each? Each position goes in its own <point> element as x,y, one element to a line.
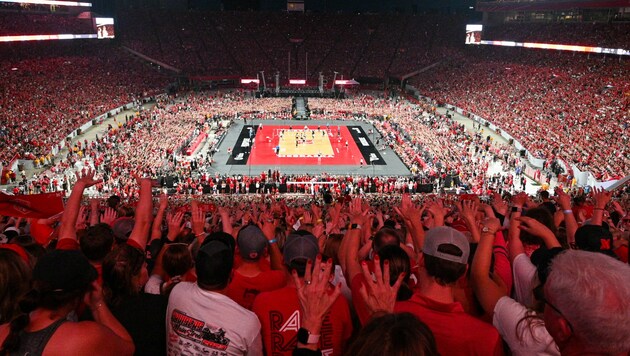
<point>567,211</point>
<point>272,241</point>
<point>199,234</point>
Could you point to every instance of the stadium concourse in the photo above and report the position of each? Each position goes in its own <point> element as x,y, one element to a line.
<point>208,221</point>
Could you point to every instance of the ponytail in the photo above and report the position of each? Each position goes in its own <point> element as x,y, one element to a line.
<point>21,321</point>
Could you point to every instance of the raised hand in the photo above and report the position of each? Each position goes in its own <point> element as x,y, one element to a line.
<point>87,180</point>
<point>174,224</point>
<point>563,199</point>
<point>108,216</point>
<point>198,219</point>
<point>601,197</point>
<point>468,210</point>
<point>314,293</point>
<point>499,205</point>
<point>378,294</point>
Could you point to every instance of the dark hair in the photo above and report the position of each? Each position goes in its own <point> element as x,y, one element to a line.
<point>120,267</point>
<point>113,201</point>
<point>177,260</point>
<point>31,246</point>
<point>399,334</point>
<point>15,276</point>
<point>379,238</point>
<point>43,296</point>
<point>331,249</point>
<point>97,242</point>
<point>544,194</point>
<point>445,272</point>
<point>543,216</point>
<point>398,263</point>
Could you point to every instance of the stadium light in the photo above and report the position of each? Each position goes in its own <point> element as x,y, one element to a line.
<point>24,38</point>
<point>50,2</point>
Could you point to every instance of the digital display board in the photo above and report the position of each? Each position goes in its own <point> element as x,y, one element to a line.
<point>473,34</point>
<point>50,2</point>
<point>104,27</point>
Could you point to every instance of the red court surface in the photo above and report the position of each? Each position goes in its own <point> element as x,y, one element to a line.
<point>263,152</point>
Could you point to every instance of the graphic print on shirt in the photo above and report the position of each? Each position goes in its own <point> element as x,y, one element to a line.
<point>284,333</point>
<point>198,332</point>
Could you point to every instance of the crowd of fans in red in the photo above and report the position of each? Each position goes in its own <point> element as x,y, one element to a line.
<point>391,274</point>
<point>51,89</point>
<point>557,105</point>
<point>12,24</point>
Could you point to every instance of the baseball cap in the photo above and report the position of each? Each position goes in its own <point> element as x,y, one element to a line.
<point>64,270</point>
<point>442,235</point>
<point>251,242</point>
<point>594,238</point>
<point>122,227</point>
<point>302,246</point>
<point>214,263</point>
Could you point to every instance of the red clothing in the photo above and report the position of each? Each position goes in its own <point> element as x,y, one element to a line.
<point>279,315</point>
<point>456,333</point>
<point>244,290</point>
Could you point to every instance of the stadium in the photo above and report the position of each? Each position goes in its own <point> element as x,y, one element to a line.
<point>458,167</point>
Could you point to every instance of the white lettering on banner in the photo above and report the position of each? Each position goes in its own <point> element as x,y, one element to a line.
<point>356,129</point>
<point>239,157</point>
<point>245,143</point>
<point>364,142</point>
<point>373,157</point>
<point>293,323</point>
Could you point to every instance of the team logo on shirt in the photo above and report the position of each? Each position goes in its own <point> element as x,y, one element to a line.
<point>198,331</point>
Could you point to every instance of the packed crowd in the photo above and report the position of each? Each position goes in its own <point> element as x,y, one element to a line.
<point>433,146</point>
<point>246,43</point>
<point>51,89</point>
<point>428,275</point>
<point>12,24</point>
<point>608,35</point>
<point>557,105</point>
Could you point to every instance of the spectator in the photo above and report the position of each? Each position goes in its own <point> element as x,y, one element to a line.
<point>201,309</point>
<point>61,280</point>
<point>249,279</point>
<point>443,262</point>
<point>279,310</point>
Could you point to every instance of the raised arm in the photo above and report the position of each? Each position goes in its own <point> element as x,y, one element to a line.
<point>351,242</point>
<point>94,211</point>
<point>71,212</point>
<point>268,225</point>
<point>602,197</point>
<point>144,214</point>
<point>536,228</point>
<point>564,201</point>
<point>412,214</point>
<point>488,290</point>
<point>156,228</point>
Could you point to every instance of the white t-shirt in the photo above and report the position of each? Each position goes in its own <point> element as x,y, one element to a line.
<point>525,279</point>
<point>534,338</point>
<point>200,322</point>
<point>153,284</point>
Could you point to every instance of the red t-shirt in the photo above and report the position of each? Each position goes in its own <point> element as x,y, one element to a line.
<point>279,315</point>
<point>456,333</point>
<point>244,290</point>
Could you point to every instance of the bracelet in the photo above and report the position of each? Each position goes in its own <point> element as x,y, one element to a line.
<point>272,241</point>
<point>319,221</point>
<point>568,211</point>
<point>199,234</point>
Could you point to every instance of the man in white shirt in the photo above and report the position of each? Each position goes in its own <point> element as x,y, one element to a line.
<point>202,320</point>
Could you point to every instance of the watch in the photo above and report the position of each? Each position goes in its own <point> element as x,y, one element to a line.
<point>485,230</point>
<point>305,337</point>
<point>355,226</point>
<point>516,209</point>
